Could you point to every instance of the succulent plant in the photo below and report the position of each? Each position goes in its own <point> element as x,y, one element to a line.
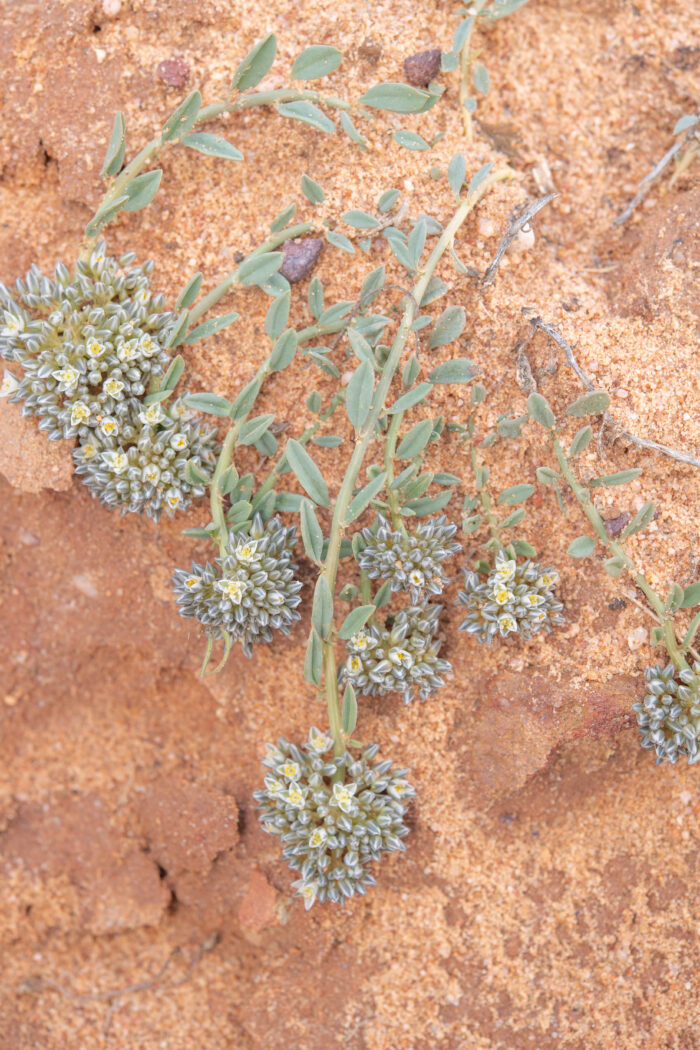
<point>334,814</point>
<point>143,467</point>
<point>669,715</point>
<point>412,561</point>
<point>402,658</point>
<point>88,343</point>
<point>250,592</point>
<point>514,598</point>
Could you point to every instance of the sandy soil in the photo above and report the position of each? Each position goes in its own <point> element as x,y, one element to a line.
<point>546,899</point>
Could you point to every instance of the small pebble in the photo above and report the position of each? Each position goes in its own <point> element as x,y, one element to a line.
<point>637,638</point>
<point>419,69</point>
<point>300,257</point>
<point>111,7</point>
<point>174,72</point>
<point>614,526</point>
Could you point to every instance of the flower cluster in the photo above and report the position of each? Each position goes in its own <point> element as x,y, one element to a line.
<point>334,814</point>
<point>145,468</point>
<point>402,658</point>
<point>669,715</point>
<point>514,598</point>
<point>413,562</point>
<point>88,344</point>
<point>250,592</point>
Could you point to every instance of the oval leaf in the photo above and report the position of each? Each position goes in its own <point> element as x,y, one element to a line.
<point>203,331</point>
<point>640,521</point>
<point>255,64</point>
<point>311,532</point>
<point>322,608</point>
<point>581,547</point>
<point>311,190</point>
<point>580,441</point>
<point>349,710</point>
<point>620,478</point>
<point>539,410</point>
<point>415,440</point>
<point>355,620</point>
<point>410,140</point>
<point>210,403</point>
<point>363,497</point>
<point>458,370</point>
<point>691,596</point>
<point>315,62</point>
<point>456,172</point>
<point>257,268</point>
<point>358,396</point>
<point>283,351</point>
<point>182,119</point>
<point>592,404</point>
<point>449,325</point>
<point>515,494</point>
<point>141,190</point>
<point>212,146</point>
<point>114,157</point>
<point>396,98</point>
<point>308,114</point>
<point>308,474</point>
<point>413,397</point>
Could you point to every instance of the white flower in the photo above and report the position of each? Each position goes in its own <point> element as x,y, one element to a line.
<point>359,641</point>
<point>173,498</point>
<point>308,891</point>
<point>13,324</point>
<point>66,377</point>
<point>191,582</point>
<point>319,741</point>
<point>531,599</point>
<point>274,786</point>
<point>80,413</point>
<point>113,387</point>
<point>502,595</point>
<point>9,384</point>
<point>247,553</point>
<point>290,770</point>
<point>128,350</point>
<point>148,346</point>
<point>547,579</point>
<point>416,578</point>
<point>507,623</point>
<point>152,414</point>
<point>94,348</point>
<point>342,796</point>
<point>151,474</point>
<point>87,451</point>
<point>505,570</point>
<point>178,442</point>
<point>401,657</point>
<point>109,426</point>
<point>232,589</point>
<point>117,461</point>
<point>354,665</point>
<point>295,796</point>
<point>318,837</point>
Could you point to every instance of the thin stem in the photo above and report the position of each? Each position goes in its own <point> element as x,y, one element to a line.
<point>465,62</point>
<point>486,504</point>
<point>366,433</point>
<point>589,509</point>
<point>389,456</point>
<point>216,496</point>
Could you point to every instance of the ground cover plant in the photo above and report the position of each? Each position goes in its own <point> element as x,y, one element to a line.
<point>95,360</point>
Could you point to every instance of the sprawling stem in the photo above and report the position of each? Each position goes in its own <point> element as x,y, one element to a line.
<point>366,432</point>
<point>464,65</point>
<point>392,495</point>
<point>216,496</point>
<point>486,504</point>
<point>589,509</point>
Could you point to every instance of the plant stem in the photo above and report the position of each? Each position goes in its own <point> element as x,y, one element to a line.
<point>589,509</point>
<point>216,496</point>
<point>389,455</point>
<point>487,506</point>
<point>464,85</point>
<point>366,432</point>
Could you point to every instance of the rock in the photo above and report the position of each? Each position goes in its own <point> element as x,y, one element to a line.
<point>116,886</point>
<point>258,909</point>
<point>187,825</point>
<point>614,526</point>
<point>175,72</point>
<point>421,68</point>
<point>29,461</point>
<point>300,257</point>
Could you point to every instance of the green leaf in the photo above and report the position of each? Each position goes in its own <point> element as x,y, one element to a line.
<point>254,429</point>
<point>322,608</point>
<point>515,494</point>
<point>257,268</point>
<point>311,531</point>
<point>459,370</point>
<point>197,534</point>
<point>339,240</point>
<point>581,440</point>
<point>540,411</point>
<point>640,521</point>
<point>478,394</point>
<point>442,478</point>
<point>514,518</point>
<point>449,61</point>
<point>178,333</point>
<point>315,62</point>
<point>283,351</point>
<point>411,371</point>
<point>311,190</point>
<point>461,33</point>
<point>209,403</point>
<point>358,395</point>
<point>190,292</point>
<point>479,177</point>
<point>316,297</point>
<point>173,374</point>
<point>411,398</point>
<point>456,172</point>
<point>500,9</point>
<point>448,327</point>
<point>363,497</point>
<point>246,399</point>
<point>592,404</point>
<point>581,547</point>
<point>348,714</point>
<point>277,315</point>
<point>691,596</point>
<point>620,478</point>
<point>415,440</point>
<point>212,146</point>
<point>355,620</point>
<point>675,597</point>
<point>328,441</point>
<point>383,595</point>
<point>203,331</point>
<point>350,129</point>
<point>360,220</point>
<point>429,505</point>
<point>142,189</point>
<point>481,78</point>
<point>470,525</point>
<point>289,501</point>
<point>547,476</point>
<point>361,348</point>
<point>307,472</point>
<point>313,663</point>
<point>255,64</point>
<point>194,474</point>
<point>105,213</point>
<point>685,122</point>
<point>397,98</point>
<point>435,290</point>
<point>182,119</point>
<point>523,548</point>
<point>114,157</point>
<point>385,203</point>
<point>614,566</point>
<point>307,113</point>
<point>410,140</point>
<point>281,220</point>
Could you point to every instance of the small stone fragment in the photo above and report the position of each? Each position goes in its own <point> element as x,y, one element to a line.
<point>300,257</point>
<point>614,526</point>
<point>174,72</point>
<point>637,638</point>
<point>419,69</point>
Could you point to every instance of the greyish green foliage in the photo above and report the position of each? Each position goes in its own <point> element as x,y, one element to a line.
<point>335,815</point>
<point>511,598</point>
<point>250,592</point>
<point>411,561</point>
<point>669,714</point>
<point>400,658</point>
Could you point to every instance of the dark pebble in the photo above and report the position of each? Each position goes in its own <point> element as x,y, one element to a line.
<point>300,257</point>
<point>420,69</point>
<point>614,526</point>
<point>174,72</point>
